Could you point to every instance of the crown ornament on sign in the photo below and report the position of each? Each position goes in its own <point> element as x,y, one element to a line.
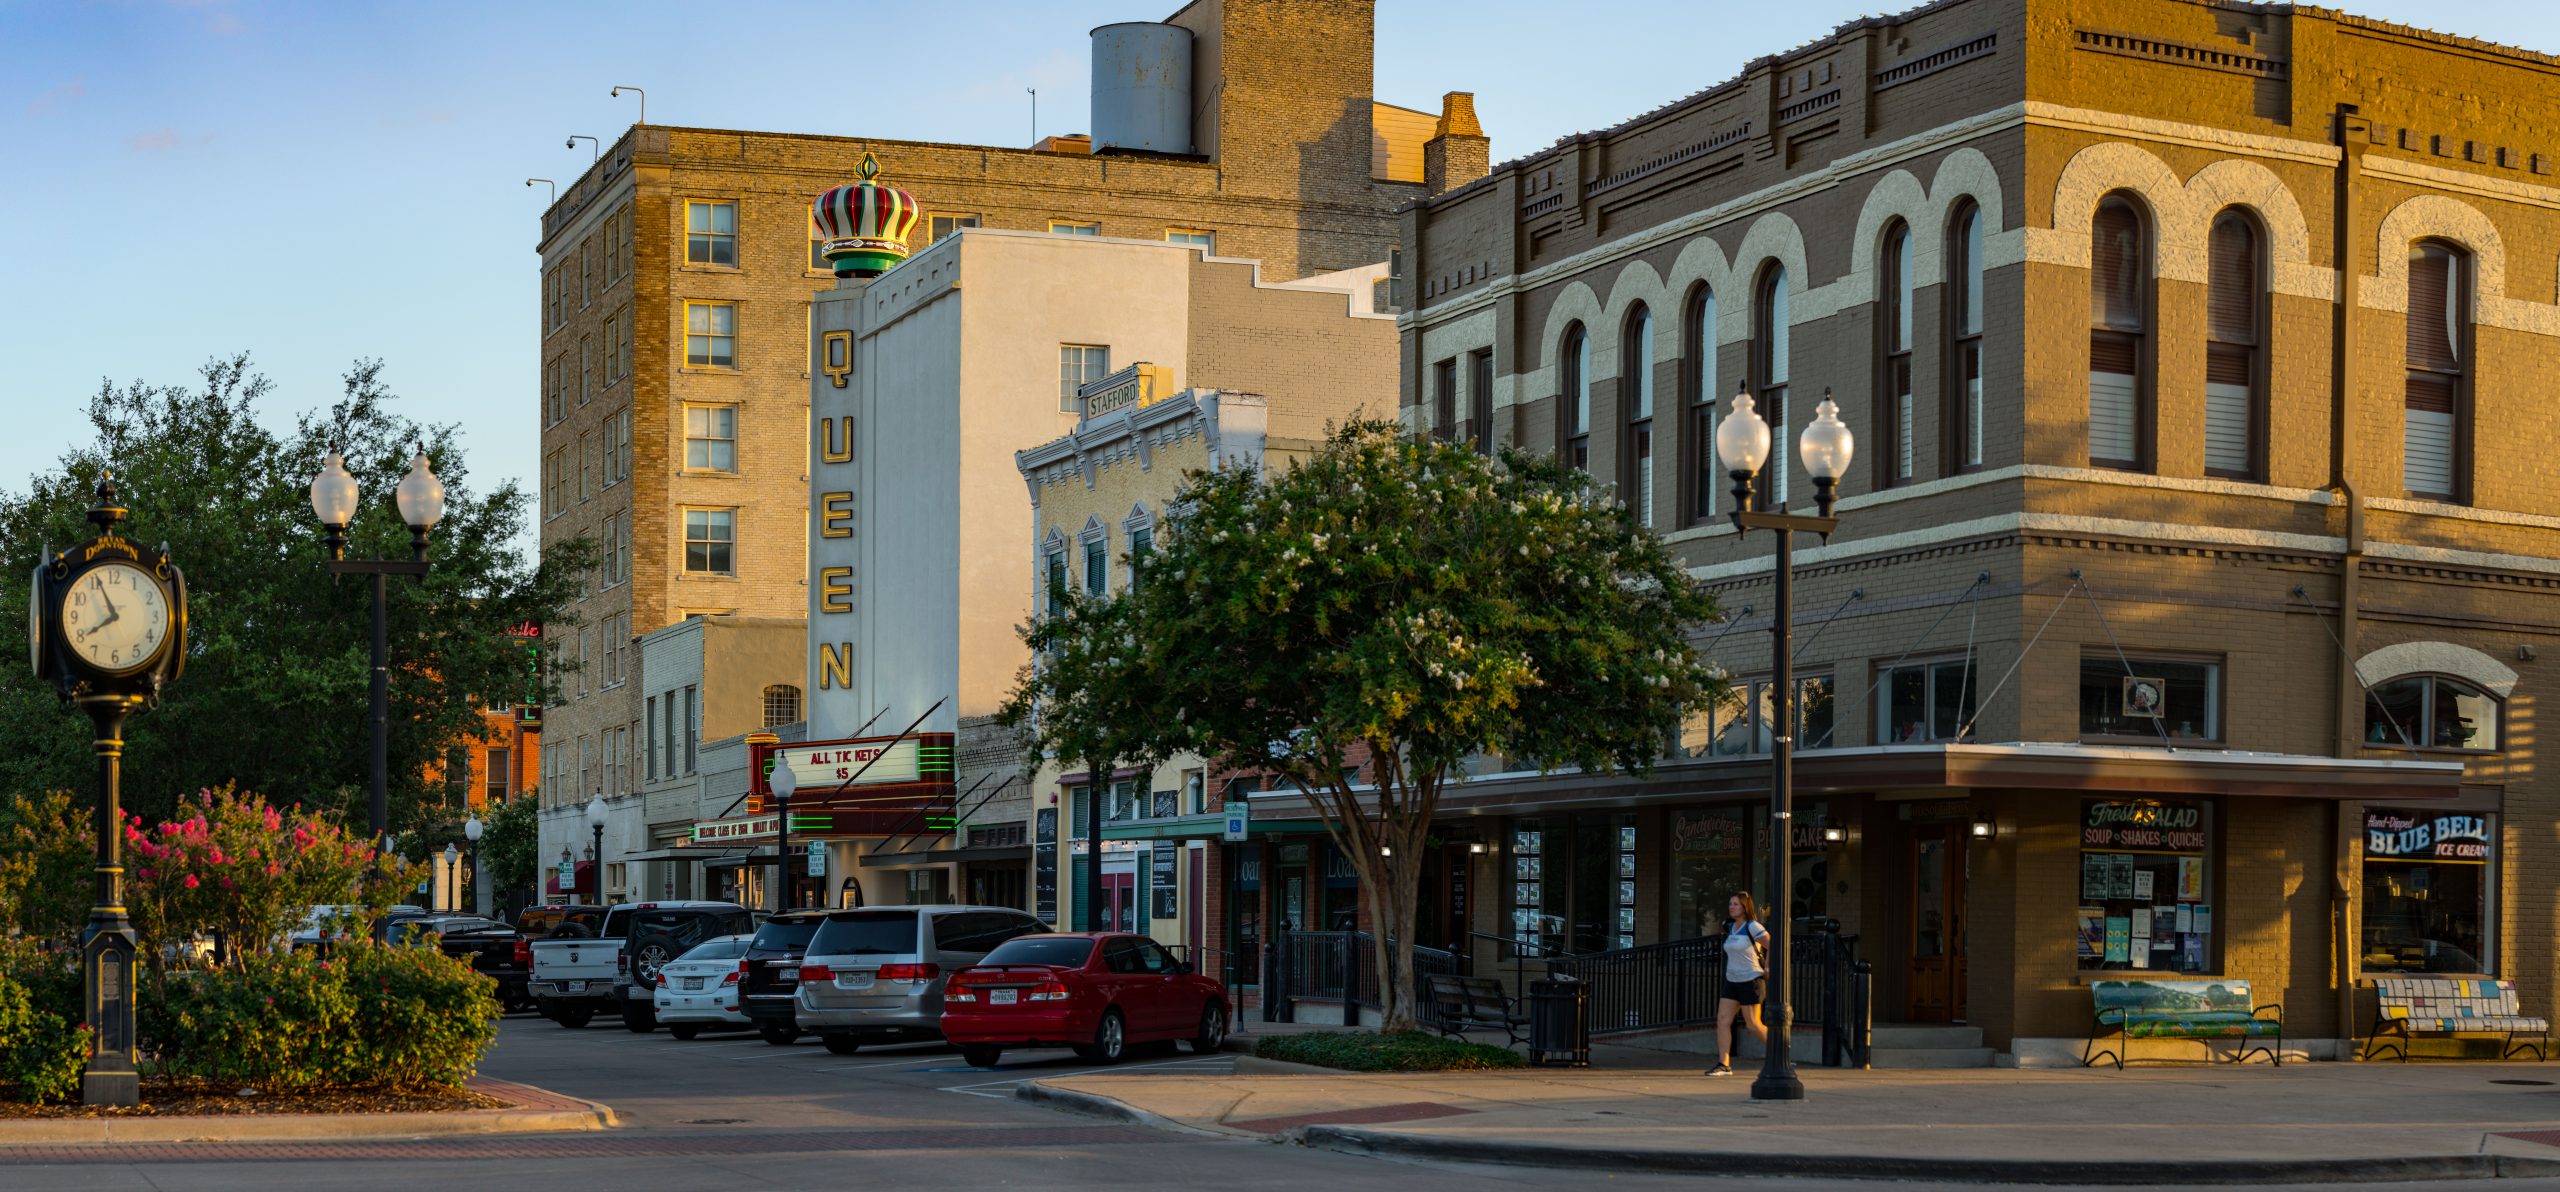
<point>863,227</point>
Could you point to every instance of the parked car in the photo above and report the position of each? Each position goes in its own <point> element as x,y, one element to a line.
<point>490,946</point>
<point>576,978</point>
<point>1097,992</point>
<point>560,919</point>
<point>325,922</point>
<point>876,975</point>
<point>699,990</point>
<point>772,984</point>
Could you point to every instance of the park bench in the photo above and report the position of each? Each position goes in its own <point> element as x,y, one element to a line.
<point>2202,1010</point>
<point>2413,1006</point>
<point>1462,1004</point>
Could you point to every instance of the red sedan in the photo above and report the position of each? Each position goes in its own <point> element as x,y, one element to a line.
<point>1097,992</point>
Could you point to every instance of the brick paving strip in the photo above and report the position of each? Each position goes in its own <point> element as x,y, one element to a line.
<point>1376,1115</point>
<point>619,1144</point>
<point>530,1110</point>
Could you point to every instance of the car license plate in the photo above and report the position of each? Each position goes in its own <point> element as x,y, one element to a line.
<point>1003,997</point>
<point>693,982</point>
<point>573,987</point>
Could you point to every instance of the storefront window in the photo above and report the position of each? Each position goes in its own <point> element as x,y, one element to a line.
<point>2150,699</point>
<point>1928,701</point>
<point>2424,711</point>
<point>2427,892</point>
<point>1741,722</point>
<point>2146,898</point>
<point>1710,859</point>
<point>1573,883</point>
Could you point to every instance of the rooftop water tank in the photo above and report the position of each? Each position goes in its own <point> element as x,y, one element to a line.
<point>1141,88</point>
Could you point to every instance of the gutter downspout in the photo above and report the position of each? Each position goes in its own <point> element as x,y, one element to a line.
<point>2352,132</point>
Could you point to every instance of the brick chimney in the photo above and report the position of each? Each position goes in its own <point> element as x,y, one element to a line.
<point>1458,152</point>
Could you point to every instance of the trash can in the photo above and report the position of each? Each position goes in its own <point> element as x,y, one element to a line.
<point>1559,1023</point>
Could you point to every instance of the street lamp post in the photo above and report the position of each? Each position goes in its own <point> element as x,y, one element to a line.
<point>1742,445</point>
<point>420,497</point>
<point>452,875</point>
<point>471,829</point>
<point>783,783</point>
<point>595,851</point>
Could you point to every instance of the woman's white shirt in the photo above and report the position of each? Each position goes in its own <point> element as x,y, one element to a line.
<point>1742,952</point>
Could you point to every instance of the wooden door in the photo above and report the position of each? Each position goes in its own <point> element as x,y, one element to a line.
<point>1119,901</point>
<point>1936,987</point>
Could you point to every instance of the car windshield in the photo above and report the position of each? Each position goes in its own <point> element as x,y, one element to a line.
<point>1058,951</point>
<point>786,935</point>
<point>728,947</point>
<point>866,933</point>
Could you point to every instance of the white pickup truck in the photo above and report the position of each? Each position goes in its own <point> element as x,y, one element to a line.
<point>575,978</point>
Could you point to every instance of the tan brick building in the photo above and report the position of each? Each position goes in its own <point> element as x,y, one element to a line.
<point>2183,618</point>
<point>677,275</point>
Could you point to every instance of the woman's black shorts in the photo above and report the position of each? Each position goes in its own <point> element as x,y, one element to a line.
<point>1746,993</point>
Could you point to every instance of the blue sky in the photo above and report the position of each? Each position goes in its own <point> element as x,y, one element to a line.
<point>315,182</point>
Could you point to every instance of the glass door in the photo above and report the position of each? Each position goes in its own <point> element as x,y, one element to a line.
<point>1936,989</point>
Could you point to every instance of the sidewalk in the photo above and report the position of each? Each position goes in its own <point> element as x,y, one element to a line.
<point>2301,1123</point>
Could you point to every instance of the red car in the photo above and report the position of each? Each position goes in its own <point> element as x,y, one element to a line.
<point>1097,992</point>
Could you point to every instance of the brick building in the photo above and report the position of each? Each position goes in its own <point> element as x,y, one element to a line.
<point>2184,611</point>
<point>677,276</point>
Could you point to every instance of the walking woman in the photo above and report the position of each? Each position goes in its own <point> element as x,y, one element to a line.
<point>1746,977</point>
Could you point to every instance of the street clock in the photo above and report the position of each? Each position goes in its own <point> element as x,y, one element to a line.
<point>105,619</point>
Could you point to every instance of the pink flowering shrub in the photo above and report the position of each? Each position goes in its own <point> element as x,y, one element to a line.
<point>231,863</point>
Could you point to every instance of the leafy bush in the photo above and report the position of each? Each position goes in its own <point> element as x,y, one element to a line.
<point>370,1015</point>
<point>235,865</point>
<point>1401,1051</point>
<point>47,857</point>
<point>42,1052</point>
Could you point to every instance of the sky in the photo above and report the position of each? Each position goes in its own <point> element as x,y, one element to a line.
<point>317,182</point>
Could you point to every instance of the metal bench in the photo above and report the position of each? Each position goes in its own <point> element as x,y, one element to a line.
<point>2202,1010</point>
<point>1462,1004</point>
<point>2413,1006</point>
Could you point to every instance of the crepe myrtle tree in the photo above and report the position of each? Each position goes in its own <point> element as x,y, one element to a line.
<point>1393,595</point>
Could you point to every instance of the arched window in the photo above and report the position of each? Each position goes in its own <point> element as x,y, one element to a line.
<point>1893,333</point>
<point>2120,325</point>
<point>1635,398</point>
<point>2431,712</point>
<point>1573,415</point>
<point>781,704</point>
<point>1963,312</point>
<point>1769,379</point>
<point>1698,375</point>
<point>2436,443</point>
<point>2235,349</point>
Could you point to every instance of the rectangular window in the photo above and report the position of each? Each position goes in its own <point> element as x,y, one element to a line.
<point>1206,242</point>
<point>619,345</point>
<point>612,547</point>
<point>667,732</point>
<point>555,483</point>
<point>1142,543</point>
<point>586,272</point>
<point>2429,892</point>
<point>1097,566</point>
<point>586,369</point>
<point>1444,400</point>
<point>944,225</point>
<point>612,335</point>
<point>2146,896</point>
<point>711,438</point>
<point>650,736</point>
<point>710,536</point>
<point>1069,227</point>
<point>497,767</point>
<point>692,728</point>
<point>1480,399</point>
<point>1080,365</point>
<point>2431,712</point>
<point>818,248</point>
<point>622,531</point>
<point>1057,573</point>
<point>617,447</point>
<point>711,334</point>
<point>555,392</point>
<point>2431,430</point>
<point>587,765</point>
<point>586,465</point>
<point>1927,701</point>
<point>711,233</point>
<point>1740,725</point>
<point>2150,700</point>
<point>1195,792</point>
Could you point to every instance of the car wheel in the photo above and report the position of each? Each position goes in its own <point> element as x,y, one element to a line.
<point>575,1018</point>
<point>1110,1041</point>
<point>779,1036</point>
<point>1213,1029</point>
<point>981,1057</point>
<point>842,1044</point>
<point>647,954</point>
<point>639,1019</point>
<point>684,1031</point>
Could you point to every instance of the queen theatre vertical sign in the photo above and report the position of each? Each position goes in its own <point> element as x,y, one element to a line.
<point>1044,866</point>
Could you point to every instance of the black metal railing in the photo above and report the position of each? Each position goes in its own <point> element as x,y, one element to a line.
<point>1335,966</point>
<point>1648,988</point>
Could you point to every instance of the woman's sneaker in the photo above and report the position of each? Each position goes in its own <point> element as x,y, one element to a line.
<point>1721,1070</point>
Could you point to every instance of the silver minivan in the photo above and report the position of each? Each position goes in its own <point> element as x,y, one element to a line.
<point>875,975</point>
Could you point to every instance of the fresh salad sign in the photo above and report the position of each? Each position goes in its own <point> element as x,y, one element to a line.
<point>2144,824</point>
<point>2427,837</point>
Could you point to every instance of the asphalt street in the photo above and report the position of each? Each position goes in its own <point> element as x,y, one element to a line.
<point>727,1111</point>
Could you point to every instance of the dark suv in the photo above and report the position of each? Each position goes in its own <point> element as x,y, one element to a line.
<point>560,919</point>
<point>773,974</point>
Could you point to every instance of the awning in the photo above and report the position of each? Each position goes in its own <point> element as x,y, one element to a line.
<point>1947,766</point>
<point>946,856</point>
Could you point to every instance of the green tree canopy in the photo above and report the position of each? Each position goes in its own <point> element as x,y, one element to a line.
<point>1394,599</point>
<point>275,693</point>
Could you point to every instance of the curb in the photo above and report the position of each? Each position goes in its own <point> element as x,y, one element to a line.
<point>564,1115</point>
<point>1354,1141</point>
<point>1096,1105</point>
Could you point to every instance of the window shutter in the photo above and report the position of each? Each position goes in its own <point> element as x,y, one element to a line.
<point>2231,294</point>
<point>2228,388</point>
<point>2112,388</point>
<point>2427,440</point>
<point>2433,315</point>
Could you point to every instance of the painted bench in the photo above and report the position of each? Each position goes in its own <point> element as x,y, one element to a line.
<point>2411,1006</point>
<point>2202,1010</point>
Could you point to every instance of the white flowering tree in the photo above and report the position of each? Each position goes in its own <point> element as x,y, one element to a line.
<point>1399,601</point>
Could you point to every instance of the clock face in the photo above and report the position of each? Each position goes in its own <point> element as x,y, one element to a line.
<point>116,617</point>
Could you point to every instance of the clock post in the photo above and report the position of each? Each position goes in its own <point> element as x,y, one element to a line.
<point>108,628</point>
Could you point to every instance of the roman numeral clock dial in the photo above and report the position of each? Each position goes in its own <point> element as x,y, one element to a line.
<point>116,617</point>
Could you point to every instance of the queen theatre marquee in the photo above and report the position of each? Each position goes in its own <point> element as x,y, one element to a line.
<point>867,786</point>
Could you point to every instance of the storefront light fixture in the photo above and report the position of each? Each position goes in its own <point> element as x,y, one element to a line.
<point>1832,831</point>
<point>1984,827</point>
<point>1475,847</point>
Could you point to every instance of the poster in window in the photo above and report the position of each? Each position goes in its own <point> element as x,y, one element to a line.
<point>2144,696</point>
<point>2119,939</point>
<point>1524,869</point>
<point>2119,875</point>
<point>1162,889</point>
<point>1165,804</point>
<point>2142,885</point>
<point>2093,932</point>
<point>2093,877</point>
<point>2190,879</point>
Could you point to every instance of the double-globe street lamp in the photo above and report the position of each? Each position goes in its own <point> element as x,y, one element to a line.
<point>1742,445</point>
<point>471,829</point>
<point>783,783</point>
<point>420,497</point>
<point>595,850</point>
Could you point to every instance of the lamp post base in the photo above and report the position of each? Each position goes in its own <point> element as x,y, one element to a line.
<point>111,1088</point>
<point>1785,1087</point>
